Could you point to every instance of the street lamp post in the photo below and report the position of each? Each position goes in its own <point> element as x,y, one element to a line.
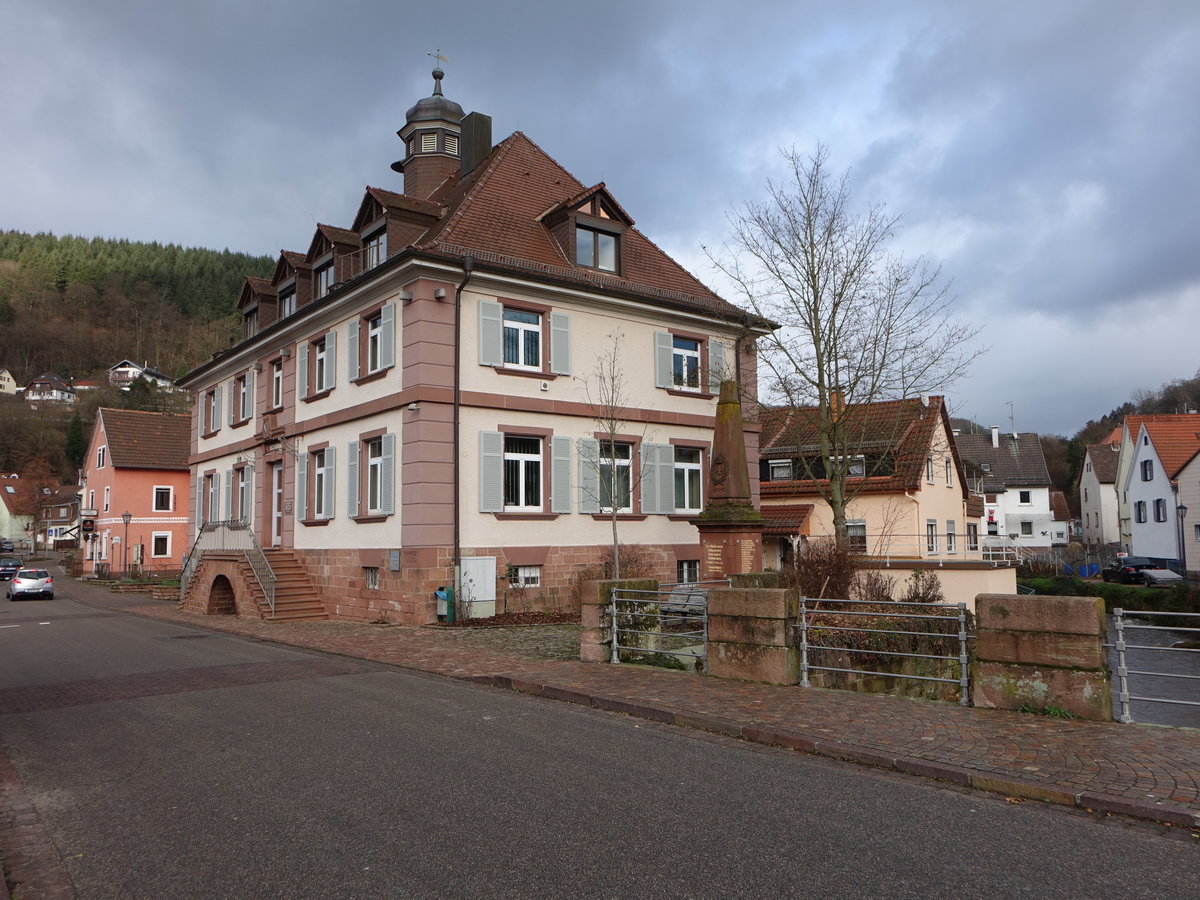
<point>125,517</point>
<point>1181,511</point>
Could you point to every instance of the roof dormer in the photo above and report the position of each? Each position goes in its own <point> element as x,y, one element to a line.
<point>588,228</point>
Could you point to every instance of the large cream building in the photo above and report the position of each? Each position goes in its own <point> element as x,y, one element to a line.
<point>420,396</point>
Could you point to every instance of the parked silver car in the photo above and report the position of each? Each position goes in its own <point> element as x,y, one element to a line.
<point>31,583</point>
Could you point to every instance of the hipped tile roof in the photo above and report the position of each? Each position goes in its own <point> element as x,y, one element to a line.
<point>146,440</point>
<point>903,427</point>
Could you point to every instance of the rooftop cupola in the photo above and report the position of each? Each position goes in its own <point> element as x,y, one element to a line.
<point>431,134</point>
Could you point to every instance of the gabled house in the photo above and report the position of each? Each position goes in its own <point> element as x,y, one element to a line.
<point>911,507</point>
<point>1154,452</point>
<point>58,518</point>
<point>16,511</point>
<point>126,372</point>
<point>408,407</point>
<point>1010,471</point>
<point>49,388</point>
<point>1098,494</point>
<point>136,463</point>
<point>8,384</point>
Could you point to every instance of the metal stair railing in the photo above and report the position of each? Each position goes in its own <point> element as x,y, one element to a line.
<point>231,536</point>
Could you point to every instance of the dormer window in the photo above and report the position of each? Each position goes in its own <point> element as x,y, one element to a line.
<point>287,303</point>
<point>325,279</point>
<point>375,248</point>
<point>595,249</point>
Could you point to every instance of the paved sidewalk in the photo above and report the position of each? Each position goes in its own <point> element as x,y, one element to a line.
<point>1146,771</point>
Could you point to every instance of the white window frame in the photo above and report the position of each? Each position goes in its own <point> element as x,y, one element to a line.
<point>245,410</point>
<point>951,536</point>
<point>373,453</point>
<point>522,330</point>
<point>101,456</point>
<point>317,463</point>
<point>522,471</point>
<point>170,498</point>
<point>931,536</point>
<point>1025,498</point>
<point>320,361</point>
<point>277,384</point>
<point>375,248</point>
<point>1160,510</point>
<point>856,539</point>
<point>374,325</point>
<point>287,303</point>
<point>1027,529</point>
<point>526,577</point>
<point>972,536</point>
<point>688,476</point>
<point>775,466</point>
<point>241,493</point>
<point>324,279</point>
<point>107,497</point>
<point>609,457</point>
<point>683,351</point>
<point>1147,470</point>
<point>154,538</point>
<point>687,571</point>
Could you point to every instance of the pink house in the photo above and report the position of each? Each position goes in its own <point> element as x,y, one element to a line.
<point>137,463</point>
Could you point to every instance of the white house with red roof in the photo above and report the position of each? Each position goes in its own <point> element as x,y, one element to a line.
<point>1098,495</point>
<point>1154,451</point>
<point>409,405</point>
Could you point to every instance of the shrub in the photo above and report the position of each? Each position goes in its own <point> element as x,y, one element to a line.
<point>823,569</point>
<point>923,586</point>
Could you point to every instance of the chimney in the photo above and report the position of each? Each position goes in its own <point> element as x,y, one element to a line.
<point>837,402</point>
<point>996,437</point>
<point>475,141</point>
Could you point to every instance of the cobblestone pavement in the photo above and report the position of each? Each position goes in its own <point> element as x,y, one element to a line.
<point>1142,770</point>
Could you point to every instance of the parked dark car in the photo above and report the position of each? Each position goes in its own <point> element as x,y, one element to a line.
<point>7,546</point>
<point>1127,570</point>
<point>9,566</point>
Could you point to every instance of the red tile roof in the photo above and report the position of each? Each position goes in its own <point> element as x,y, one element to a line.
<point>1059,506</point>
<point>903,427</point>
<point>146,440</point>
<point>1176,438</point>
<point>787,519</point>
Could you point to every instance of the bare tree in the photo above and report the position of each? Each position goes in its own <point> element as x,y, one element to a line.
<point>611,473</point>
<point>858,324</point>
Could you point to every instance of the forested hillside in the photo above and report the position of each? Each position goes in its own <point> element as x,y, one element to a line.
<point>76,305</point>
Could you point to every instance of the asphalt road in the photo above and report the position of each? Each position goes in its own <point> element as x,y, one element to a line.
<point>171,762</point>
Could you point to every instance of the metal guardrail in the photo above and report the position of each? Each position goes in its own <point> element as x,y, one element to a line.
<point>807,623</point>
<point>1123,671</point>
<point>672,621</point>
<point>231,536</point>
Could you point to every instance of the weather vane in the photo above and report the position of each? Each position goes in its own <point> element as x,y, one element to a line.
<point>437,54</point>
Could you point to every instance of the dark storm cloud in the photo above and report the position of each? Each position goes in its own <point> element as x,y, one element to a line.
<point>1044,152</point>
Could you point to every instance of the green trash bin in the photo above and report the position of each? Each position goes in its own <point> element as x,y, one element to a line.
<point>445,597</point>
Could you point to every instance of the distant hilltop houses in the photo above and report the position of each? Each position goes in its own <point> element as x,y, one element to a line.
<point>50,387</point>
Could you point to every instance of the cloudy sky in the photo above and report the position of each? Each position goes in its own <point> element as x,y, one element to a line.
<point>1044,152</point>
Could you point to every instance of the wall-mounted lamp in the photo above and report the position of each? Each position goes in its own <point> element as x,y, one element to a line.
<point>413,407</point>
<point>285,353</point>
<point>439,294</point>
<point>257,367</point>
<point>406,295</point>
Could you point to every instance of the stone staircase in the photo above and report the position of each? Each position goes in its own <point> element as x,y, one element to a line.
<point>295,597</point>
